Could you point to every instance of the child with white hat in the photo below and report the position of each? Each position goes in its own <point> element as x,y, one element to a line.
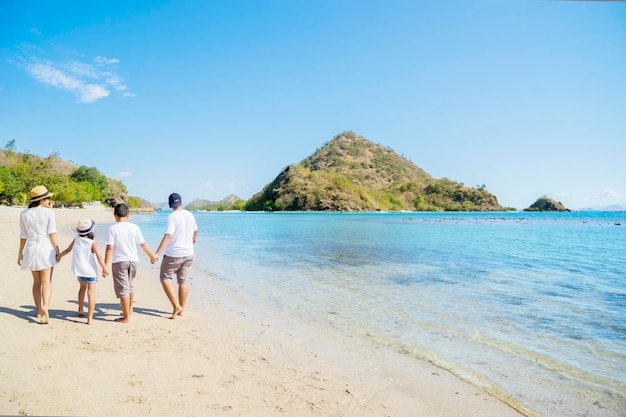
<point>84,265</point>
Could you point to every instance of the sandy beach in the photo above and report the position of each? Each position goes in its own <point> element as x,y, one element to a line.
<point>222,358</point>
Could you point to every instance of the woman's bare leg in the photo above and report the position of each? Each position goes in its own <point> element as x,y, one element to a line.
<point>46,293</point>
<point>37,291</point>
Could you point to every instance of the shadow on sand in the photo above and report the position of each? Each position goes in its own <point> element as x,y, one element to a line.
<point>104,312</point>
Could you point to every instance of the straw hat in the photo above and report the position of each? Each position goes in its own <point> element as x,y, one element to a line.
<point>85,226</point>
<point>39,193</point>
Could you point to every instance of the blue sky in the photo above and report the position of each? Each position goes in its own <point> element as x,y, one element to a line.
<point>211,98</point>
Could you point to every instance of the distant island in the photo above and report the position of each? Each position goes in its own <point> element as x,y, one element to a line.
<point>351,173</point>
<point>612,207</point>
<point>546,204</point>
<point>232,202</point>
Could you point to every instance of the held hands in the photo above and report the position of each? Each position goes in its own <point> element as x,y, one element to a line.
<point>105,272</point>
<point>154,259</point>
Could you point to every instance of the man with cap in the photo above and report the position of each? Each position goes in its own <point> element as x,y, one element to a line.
<point>181,232</point>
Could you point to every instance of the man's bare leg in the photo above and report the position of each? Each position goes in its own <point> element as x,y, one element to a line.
<point>183,292</point>
<point>168,287</point>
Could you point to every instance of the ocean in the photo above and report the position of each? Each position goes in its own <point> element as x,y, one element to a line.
<point>530,307</point>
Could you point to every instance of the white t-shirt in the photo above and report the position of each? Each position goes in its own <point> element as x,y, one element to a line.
<point>125,237</point>
<point>181,225</point>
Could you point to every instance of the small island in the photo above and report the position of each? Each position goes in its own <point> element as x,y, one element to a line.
<point>546,204</point>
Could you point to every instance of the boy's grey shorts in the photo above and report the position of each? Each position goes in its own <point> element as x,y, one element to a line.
<point>123,278</point>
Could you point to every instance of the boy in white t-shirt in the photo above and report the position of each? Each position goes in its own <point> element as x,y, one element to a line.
<point>122,241</point>
<point>181,232</point>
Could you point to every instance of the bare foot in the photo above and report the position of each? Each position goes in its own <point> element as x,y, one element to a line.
<point>121,320</point>
<point>81,313</point>
<point>89,322</point>
<point>44,316</point>
<point>177,312</point>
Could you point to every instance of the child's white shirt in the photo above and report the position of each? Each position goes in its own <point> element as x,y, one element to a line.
<point>84,262</point>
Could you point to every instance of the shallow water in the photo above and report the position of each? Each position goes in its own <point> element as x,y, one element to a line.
<point>530,307</point>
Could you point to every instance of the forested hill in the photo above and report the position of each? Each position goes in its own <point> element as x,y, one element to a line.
<point>351,173</point>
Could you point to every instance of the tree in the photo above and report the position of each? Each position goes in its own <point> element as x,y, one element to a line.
<point>134,202</point>
<point>92,175</point>
<point>9,186</point>
<point>10,146</point>
<point>115,193</point>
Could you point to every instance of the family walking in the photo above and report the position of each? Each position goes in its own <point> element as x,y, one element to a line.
<point>39,253</point>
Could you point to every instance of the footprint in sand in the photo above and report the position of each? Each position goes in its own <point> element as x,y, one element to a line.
<point>228,380</point>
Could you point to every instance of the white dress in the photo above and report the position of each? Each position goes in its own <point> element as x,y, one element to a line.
<point>36,225</point>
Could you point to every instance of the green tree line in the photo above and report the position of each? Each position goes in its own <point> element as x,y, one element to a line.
<point>71,185</point>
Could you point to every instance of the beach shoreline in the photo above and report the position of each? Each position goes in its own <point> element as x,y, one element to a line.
<point>222,358</point>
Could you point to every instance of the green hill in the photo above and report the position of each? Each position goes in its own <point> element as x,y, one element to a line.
<point>350,173</point>
<point>71,184</point>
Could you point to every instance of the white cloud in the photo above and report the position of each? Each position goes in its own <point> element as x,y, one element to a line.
<point>105,60</point>
<point>81,69</point>
<point>209,185</point>
<point>609,193</point>
<point>115,81</point>
<point>88,81</point>
<point>125,174</point>
<point>91,92</point>
<point>84,92</point>
<point>35,31</point>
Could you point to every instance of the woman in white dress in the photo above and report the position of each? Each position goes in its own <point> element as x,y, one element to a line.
<point>39,247</point>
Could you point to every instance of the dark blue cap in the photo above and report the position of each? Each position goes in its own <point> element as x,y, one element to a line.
<point>175,200</point>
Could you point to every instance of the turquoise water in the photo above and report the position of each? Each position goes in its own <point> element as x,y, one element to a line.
<point>530,307</point>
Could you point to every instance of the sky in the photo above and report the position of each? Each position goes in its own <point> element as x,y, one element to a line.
<point>211,98</point>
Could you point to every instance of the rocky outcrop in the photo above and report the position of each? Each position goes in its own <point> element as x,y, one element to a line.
<point>546,204</point>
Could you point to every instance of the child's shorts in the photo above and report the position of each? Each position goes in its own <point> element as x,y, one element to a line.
<point>87,280</point>
<point>123,278</point>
